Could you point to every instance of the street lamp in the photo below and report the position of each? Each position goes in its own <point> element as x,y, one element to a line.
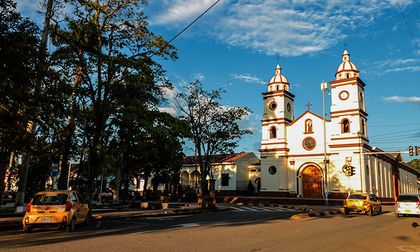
<point>324,87</point>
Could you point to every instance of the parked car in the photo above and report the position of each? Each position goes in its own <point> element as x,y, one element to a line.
<point>407,204</point>
<point>56,208</point>
<point>362,203</point>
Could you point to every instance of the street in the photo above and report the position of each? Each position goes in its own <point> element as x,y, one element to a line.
<point>239,229</point>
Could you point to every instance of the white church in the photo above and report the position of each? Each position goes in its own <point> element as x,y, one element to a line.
<point>304,156</point>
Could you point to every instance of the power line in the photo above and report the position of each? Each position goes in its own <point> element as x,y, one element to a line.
<point>195,20</point>
<point>408,27</point>
<point>415,9</point>
<point>397,133</point>
<point>393,125</point>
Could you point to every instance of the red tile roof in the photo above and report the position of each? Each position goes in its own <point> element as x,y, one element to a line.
<point>220,158</point>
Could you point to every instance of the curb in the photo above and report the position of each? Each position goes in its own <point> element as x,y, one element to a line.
<point>310,213</point>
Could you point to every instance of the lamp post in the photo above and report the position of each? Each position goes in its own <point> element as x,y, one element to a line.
<point>324,87</point>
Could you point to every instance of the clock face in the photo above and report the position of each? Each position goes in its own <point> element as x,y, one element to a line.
<point>273,105</point>
<point>344,95</point>
<point>309,143</point>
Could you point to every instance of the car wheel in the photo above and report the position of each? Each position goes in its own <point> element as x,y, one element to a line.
<point>371,211</point>
<point>71,226</point>
<point>346,211</point>
<point>88,219</point>
<point>27,229</point>
<point>380,211</point>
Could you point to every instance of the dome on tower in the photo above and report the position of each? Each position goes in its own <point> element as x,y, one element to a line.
<point>346,69</point>
<point>278,81</point>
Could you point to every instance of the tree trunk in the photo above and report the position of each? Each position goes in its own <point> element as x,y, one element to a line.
<point>20,197</point>
<point>116,195</point>
<point>146,180</point>
<point>69,131</point>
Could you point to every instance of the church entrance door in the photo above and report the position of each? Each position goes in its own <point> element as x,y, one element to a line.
<point>312,182</point>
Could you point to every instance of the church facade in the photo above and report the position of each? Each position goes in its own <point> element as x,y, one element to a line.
<point>307,156</point>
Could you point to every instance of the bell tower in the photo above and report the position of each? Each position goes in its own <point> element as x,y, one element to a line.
<point>278,113</point>
<point>348,108</point>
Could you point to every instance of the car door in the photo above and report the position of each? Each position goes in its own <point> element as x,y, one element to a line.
<point>373,202</point>
<point>77,206</point>
<point>84,207</point>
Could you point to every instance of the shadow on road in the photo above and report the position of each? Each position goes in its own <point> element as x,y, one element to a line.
<point>138,225</point>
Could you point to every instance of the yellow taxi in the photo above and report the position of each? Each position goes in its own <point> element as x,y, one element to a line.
<point>362,203</point>
<point>56,208</point>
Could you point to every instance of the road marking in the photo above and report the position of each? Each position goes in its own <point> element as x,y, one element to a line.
<point>268,209</point>
<point>159,218</point>
<point>250,209</point>
<point>287,209</point>
<point>408,248</point>
<point>189,225</point>
<point>262,209</point>
<point>237,209</point>
<point>99,224</point>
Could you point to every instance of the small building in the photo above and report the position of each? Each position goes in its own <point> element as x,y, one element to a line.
<point>231,173</point>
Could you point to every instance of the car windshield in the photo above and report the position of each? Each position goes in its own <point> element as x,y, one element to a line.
<point>357,196</point>
<point>50,199</point>
<point>408,198</point>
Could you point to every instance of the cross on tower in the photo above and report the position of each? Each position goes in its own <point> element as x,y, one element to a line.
<point>308,105</point>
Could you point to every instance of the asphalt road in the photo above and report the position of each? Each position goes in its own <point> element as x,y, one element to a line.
<point>250,230</point>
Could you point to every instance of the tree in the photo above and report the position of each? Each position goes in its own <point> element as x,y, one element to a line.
<point>214,128</point>
<point>19,50</point>
<point>415,163</point>
<point>120,47</point>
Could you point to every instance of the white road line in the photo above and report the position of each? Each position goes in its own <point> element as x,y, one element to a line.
<point>287,209</point>
<point>238,209</point>
<point>268,209</point>
<point>250,209</point>
<point>189,225</point>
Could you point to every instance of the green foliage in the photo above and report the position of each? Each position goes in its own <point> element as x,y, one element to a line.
<point>214,128</point>
<point>95,96</point>
<point>415,163</point>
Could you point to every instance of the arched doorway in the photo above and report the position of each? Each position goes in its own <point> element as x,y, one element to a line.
<point>185,178</point>
<point>258,182</point>
<point>312,182</point>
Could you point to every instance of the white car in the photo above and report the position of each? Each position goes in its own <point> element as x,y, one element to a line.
<point>407,204</point>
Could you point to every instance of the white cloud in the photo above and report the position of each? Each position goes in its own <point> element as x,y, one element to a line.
<point>248,78</point>
<point>199,76</point>
<point>280,27</point>
<point>395,65</point>
<point>180,10</point>
<point>169,110</point>
<point>413,99</point>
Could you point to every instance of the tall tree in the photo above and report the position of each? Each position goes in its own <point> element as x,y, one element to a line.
<point>214,128</point>
<point>19,43</point>
<point>121,47</point>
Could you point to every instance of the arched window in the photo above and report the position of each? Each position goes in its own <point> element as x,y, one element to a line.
<point>273,132</point>
<point>363,129</point>
<point>308,126</point>
<point>361,99</point>
<point>345,126</point>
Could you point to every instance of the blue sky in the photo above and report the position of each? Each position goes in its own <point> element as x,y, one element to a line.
<point>237,45</point>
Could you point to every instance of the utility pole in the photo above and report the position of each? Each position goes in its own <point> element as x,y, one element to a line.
<point>324,87</point>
